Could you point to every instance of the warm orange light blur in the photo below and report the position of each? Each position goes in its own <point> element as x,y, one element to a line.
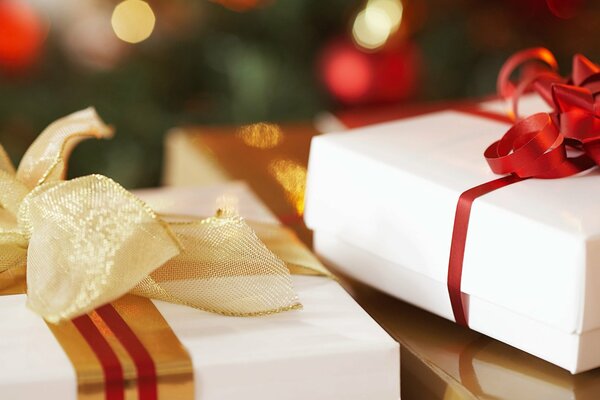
<point>291,175</point>
<point>261,135</point>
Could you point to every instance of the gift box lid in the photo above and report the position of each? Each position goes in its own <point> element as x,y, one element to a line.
<point>392,189</point>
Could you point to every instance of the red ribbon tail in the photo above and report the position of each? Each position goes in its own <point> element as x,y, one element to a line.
<point>459,239</point>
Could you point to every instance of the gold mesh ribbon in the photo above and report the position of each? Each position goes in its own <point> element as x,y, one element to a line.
<point>87,241</point>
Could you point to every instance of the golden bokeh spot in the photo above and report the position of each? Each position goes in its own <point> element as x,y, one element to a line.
<point>392,8</point>
<point>261,135</point>
<point>376,22</point>
<point>291,175</point>
<point>133,21</point>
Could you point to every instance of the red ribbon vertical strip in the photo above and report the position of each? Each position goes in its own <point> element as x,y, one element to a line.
<point>111,366</point>
<point>144,364</point>
<point>459,238</point>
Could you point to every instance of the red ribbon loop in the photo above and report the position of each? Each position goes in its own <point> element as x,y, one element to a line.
<point>537,146</point>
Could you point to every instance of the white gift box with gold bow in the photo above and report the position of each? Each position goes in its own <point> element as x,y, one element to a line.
<point>84,243</point>
<point>331,349</point>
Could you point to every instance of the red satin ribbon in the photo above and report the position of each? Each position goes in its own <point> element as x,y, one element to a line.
<point>459,239</point>
<point>538,146</point>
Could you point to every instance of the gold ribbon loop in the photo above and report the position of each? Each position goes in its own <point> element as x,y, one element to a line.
<point>12,192</point>
<point>90,242</point>
<point>224,269</point>
<point>46,159</point>
<point>87,241</point>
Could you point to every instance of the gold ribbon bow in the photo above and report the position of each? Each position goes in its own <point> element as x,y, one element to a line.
<point>87,241</point>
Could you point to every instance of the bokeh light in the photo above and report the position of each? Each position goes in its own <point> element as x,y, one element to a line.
<point>347,72</point>
<point>393,9</point>
<point>89,39</point>
<point>261,135</point>
<point>133,21</point>
<point>376,23</point>
<point>397,73</point>
<point>232,62</point>
<point>291,175</point>
<point>22,33</point>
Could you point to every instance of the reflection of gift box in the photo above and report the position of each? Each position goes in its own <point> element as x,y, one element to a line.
<point>441,360</point>
<point>330,348</point>
<point>386,197</point>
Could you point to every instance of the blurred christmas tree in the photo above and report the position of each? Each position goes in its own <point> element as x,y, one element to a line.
<point>148,66</point>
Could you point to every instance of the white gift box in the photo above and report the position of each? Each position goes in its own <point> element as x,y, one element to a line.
<point>382,201</point>
<point>331,349</point>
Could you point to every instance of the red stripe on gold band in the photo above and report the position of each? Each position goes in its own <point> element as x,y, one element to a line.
<point>144,364</point>
<point>111,367</point>
<point>461,223</point>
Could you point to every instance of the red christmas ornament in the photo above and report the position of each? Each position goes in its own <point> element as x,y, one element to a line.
<point>356,77</point>
<point>397,72</point>
<point>21,34</point>
<point>347,72</point>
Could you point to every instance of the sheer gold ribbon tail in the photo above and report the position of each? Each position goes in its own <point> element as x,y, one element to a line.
<point>87,241</point>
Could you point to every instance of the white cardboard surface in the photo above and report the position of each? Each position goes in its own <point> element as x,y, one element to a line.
<point>391,189</point>
<point>331,349</point>
<point>574,352</point>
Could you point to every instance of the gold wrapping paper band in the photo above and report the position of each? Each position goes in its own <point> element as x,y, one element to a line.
<point>173,365</point>
<point>174,369</point>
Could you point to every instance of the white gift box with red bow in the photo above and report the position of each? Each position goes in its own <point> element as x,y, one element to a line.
<point>382,201</point>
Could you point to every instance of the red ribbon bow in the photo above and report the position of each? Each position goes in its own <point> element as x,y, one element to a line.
<point>561,143</point>
<point>541,145</point>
